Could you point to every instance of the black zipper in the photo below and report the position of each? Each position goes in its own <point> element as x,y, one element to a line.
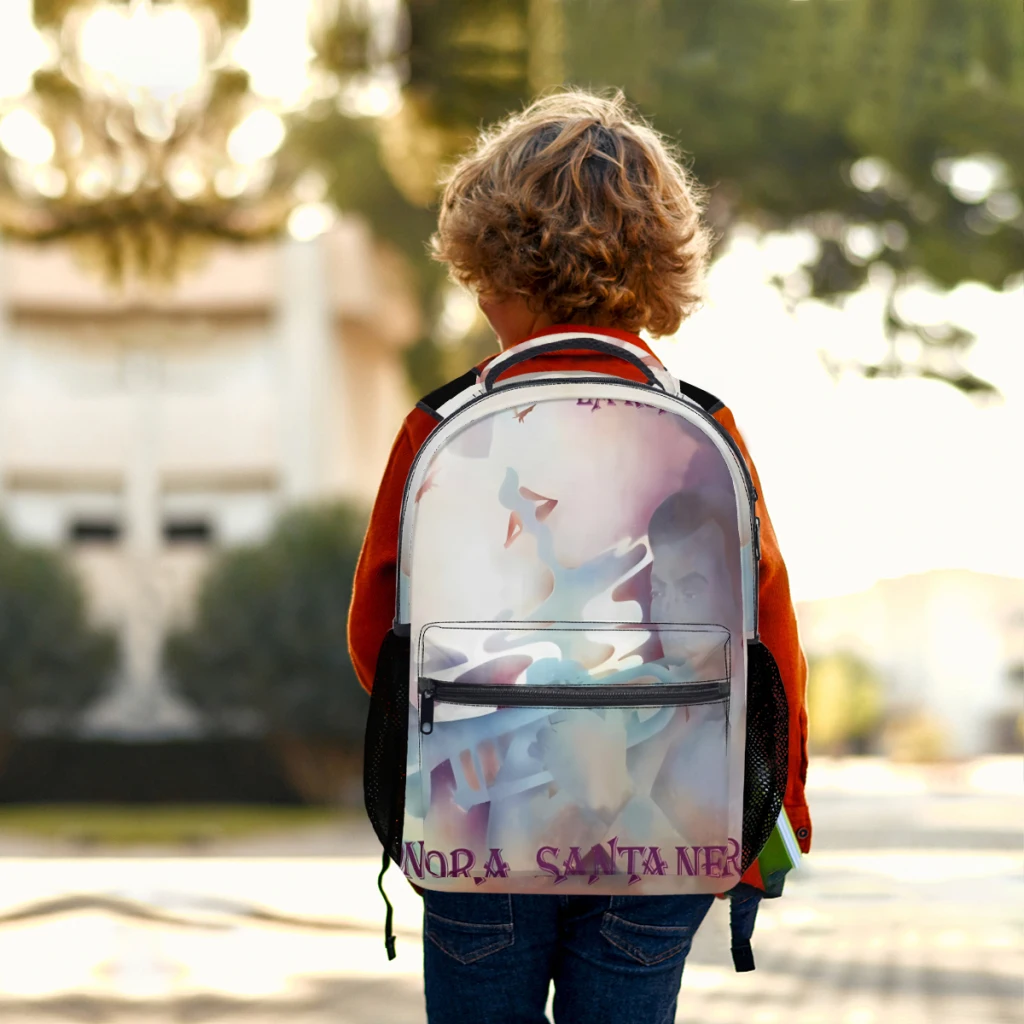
<point>593,696</point>
<point>621,381</point>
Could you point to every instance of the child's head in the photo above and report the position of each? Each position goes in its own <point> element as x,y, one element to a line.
<point>578,210</point>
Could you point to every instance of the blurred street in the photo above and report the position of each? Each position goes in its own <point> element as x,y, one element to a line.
<point>908,911</point>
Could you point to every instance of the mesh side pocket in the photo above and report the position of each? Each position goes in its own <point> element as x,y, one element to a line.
<point>767,751</point>
<point>386,744</point>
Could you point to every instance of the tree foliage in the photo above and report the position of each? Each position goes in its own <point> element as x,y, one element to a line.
<point>269,634</point>
<point>52,663</point>
<point>891,129</point>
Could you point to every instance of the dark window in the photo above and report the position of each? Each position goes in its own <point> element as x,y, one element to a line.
<point>94,531</point>
<point>188,531</point>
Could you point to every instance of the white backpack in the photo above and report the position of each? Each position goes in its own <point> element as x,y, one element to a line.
<point>574,698</point>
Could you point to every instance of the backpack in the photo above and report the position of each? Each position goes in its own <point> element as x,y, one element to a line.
<point>574,697</point>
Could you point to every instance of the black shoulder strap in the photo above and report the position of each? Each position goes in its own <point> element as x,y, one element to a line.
<point>445,393</point>
<point>704,399</point>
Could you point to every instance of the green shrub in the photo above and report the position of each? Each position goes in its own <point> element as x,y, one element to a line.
<point>845,704</point>
<point>268,645</point>
<point>52,663</point>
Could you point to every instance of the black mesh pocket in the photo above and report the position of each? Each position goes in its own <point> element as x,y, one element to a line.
<point>767,755</point>
<point>387,740</point>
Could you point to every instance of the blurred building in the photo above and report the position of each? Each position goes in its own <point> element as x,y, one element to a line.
<point>142,431</point>
<point>949,643</point>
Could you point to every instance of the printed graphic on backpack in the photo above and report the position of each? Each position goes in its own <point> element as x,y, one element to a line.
<point>564,703</point>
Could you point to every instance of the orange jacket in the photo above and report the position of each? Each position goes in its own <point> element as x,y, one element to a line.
<point>373,595</point>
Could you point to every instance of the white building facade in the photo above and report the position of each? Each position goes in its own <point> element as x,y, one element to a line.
<point>143,431</point>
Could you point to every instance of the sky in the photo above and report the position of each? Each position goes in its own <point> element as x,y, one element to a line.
<point>863,479</point>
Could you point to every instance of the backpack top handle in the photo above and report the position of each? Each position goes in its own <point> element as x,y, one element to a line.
<point>654,373</point>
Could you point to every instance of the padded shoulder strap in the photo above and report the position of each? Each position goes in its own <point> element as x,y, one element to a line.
<point>434,402</point>
<point>704,399</point>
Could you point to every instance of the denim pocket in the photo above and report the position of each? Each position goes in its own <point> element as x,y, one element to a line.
<point>469,926</point>
<point>653,930</point>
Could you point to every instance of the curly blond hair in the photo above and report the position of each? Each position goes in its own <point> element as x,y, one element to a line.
<point>579,206</point>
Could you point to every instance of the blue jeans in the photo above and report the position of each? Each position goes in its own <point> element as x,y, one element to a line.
<point>489,958</point>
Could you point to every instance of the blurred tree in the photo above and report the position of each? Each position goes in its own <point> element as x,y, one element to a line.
<point>466,63</point>
<point>267,650</point>
<point>844,704</point>
<point>893,130</point>
<point>52,663</point>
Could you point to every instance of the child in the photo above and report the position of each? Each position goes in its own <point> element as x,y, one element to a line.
<point>574,213</point>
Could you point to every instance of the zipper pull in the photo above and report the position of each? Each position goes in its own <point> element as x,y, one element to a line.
<point>426,706</point>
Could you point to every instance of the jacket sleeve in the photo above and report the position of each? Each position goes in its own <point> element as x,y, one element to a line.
<point>373,590</point>
<point>778,629</point>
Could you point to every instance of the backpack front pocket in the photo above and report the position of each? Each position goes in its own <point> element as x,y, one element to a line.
<point>573,753</point>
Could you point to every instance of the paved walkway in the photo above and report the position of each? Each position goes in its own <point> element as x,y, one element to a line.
<point>885,927</point>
